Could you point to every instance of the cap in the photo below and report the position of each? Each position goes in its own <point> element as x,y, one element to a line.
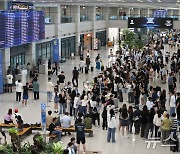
<point>16,110</point>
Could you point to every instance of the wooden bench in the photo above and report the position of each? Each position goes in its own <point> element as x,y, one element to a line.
<point>25,132</point>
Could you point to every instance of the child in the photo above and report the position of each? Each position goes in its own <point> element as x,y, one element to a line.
<point>74,145</point>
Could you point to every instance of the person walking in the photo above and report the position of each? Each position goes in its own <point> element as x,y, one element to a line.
<point>25,94</point>
<point>19,87</point>
<point>111,126</point>
<point>35,85</point>
<point>56,101</point>
<point>172,103</point>
<point>80,135</point>
<point>50,89</point>
<point>61,78</point>
<point>9,78</point>
<point>75,74</point>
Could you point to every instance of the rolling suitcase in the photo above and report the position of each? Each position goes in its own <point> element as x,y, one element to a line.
<point>92,68</point>
<point>86,70</point>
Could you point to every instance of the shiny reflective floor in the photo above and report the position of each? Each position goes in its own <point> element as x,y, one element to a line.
<point>32,113</point>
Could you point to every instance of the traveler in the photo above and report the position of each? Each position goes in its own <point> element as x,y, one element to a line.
<point>25,94</point>
<point>19,87</point>
<point>9,79</point>
<point>75,77</point>
<point>8,117</point>
<point>61,78</point>
<point>50,89</point>
<point>66,122</point>
<point>55,130</point>
<point>111,126</point>
<point>172,103</point>
<point>36,86</point>
<point>157,121</point>
<point>80,135</point>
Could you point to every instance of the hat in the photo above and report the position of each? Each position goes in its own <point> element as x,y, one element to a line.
<point>16,110</point>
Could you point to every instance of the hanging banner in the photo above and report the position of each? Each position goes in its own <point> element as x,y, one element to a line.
<point>1,73</point>
<point>55,49</point>
<point>43,116</point>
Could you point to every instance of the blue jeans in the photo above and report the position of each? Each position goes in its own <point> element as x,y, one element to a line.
<point>49,96</point>
<point>58,133</point>
<point>62,108</point>
<point>172,110</point>
<point>111,134</point>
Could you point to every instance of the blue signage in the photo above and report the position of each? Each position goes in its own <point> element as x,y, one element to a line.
<point>43,116</point>
<point>55,46</point>
<point>1,73</point>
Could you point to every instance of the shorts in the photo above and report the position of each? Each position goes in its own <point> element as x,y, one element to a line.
<point>80,140</point>
<point>124,122</point>
<point>25,97</point>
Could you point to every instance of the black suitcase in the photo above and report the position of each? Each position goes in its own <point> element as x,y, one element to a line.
<point>86,70</point>
<point>174,144</point>
<point>92,68</point>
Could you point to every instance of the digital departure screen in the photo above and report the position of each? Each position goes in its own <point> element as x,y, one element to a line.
<point>21,27</point>
<point>144,22</point>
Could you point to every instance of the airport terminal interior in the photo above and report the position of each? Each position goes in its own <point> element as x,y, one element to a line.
<point>89,76</point>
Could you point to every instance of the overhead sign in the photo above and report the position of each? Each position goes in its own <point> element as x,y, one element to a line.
<point>1,73</point>
<point>55,46</point>
<point>20,6</point>
<point>144,22</point>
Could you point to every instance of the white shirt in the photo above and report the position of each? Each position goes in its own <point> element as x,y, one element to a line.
<point>111,121</point>
<point>18,86</point>
<point>50,87</point>
<point>84,102</point>
<point>157,121</point>
<point>14,118</point>
<point>149,105</point>
<point>172,101</point>
<point>66,121</point>
<point>93,103</point>
<point>9,78</point>
<point>76,102</point>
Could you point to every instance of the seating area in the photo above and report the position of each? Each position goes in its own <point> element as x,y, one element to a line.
<point>27,131</point>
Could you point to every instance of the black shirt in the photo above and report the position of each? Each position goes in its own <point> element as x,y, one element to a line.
<point>61,78</point>
<point>25,90</point>
<point>52,126</point>
<point>75,73</point>
<point>80,130</point>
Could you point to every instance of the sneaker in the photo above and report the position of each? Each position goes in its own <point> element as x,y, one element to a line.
<point>61,142</point>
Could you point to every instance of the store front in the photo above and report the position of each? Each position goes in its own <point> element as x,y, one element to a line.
<point>88,41</point>
<point>68,46</point>
<point>101,36</point>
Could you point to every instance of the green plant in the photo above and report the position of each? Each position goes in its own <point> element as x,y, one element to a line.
<point>13,131</point>
<point>57,148</point>
<point>129,39</point>
<point>6,149</point>
<point>39,139</point>
<point>26,148</point>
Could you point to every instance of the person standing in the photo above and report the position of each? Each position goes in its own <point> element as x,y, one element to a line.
<point>111,126</point>
<point>88,61</point>
<point>80,135</point>
<point>75,74</point>
<point>157,121</point>
<point>36,89</point>
<point>19,87</point>
<point>25,94</point>
<point>61,78</point>
<point>9,78</point>
<point>172,103</point>
<point>50,89</point>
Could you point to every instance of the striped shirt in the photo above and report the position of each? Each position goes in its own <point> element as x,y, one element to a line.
<point>174,125</point>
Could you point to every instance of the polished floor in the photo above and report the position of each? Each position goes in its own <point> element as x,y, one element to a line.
<point>32,113</point>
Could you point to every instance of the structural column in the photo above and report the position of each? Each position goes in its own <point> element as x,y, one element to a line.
<point>6,60</point>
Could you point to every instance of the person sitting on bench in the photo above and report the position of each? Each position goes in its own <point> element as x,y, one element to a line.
<point>55,130</point>
<point>66,122</point>
<point>8,117</point>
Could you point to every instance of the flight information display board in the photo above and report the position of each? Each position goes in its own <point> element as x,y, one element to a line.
<point>143,22</point>
<point>21,27</point>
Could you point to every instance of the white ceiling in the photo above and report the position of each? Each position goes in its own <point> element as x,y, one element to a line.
<point>133,3</point>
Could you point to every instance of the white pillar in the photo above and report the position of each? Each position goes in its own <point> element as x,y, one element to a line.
<point>31,54</point>
<point>93,18</point>
<point>6,59</point>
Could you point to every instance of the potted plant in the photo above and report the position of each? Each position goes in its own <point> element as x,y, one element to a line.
<point>6,149</point>
<point>57,148</point>
<point>15,139</point>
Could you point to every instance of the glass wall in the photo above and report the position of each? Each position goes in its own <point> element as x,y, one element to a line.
<point>66,14</point>
<point>17,55</point>
<point>101,36</point>
<point>44,51</point>
<point>84,13</point>
<point>68,46</point>
<point>100,13</point>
